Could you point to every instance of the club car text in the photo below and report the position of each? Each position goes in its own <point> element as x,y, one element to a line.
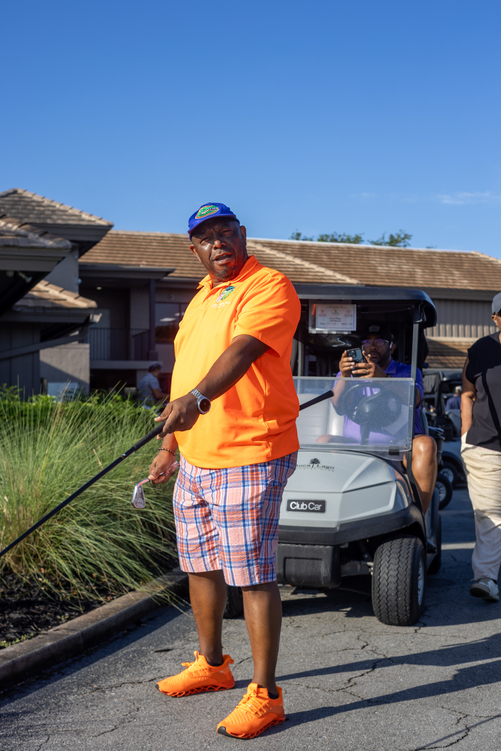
<point>317,506</point>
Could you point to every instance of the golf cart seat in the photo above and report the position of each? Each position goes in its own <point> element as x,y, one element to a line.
<point>454,416</point>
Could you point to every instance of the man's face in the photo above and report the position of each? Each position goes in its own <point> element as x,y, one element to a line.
<point>377,349</point>
<point>220,245</point>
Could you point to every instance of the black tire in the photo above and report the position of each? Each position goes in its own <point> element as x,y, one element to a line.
<point>437,561</point>
<point>445,491</point>
<point>450,471</point>
<point>234,603</point>
<point>399,581</point>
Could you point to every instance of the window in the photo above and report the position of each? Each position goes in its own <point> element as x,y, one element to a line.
<point>167,318</point>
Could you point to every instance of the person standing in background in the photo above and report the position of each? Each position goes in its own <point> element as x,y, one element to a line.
<point>454,402</point>
<point>481,454</point>
<point>149,387</point>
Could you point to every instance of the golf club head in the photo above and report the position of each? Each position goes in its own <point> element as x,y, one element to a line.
<point>138,499</point>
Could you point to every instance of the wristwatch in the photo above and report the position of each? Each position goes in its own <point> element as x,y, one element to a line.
<point>203,403</point>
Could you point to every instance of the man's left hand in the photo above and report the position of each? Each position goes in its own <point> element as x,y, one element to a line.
<point>368,369</point>
<point>181,414</point>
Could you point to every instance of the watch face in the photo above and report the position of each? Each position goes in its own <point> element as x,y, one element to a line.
<point>204,405</point>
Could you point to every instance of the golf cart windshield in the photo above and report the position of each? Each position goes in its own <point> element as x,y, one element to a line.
<point>373,415</point>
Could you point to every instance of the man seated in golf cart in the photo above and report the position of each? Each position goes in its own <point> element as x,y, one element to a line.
<point>377,348</point>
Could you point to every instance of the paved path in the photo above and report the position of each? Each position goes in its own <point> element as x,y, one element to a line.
<point>350,683</point>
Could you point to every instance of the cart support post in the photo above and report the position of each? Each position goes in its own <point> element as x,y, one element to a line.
<point>417,319</point>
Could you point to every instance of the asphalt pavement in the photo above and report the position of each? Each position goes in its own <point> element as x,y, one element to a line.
<point>349,682</point>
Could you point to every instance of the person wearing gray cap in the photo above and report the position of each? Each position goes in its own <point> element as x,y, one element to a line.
<point>481,454</point>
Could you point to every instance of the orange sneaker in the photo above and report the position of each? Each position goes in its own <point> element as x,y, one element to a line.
<point>199,676</point>
<point>255,713</point>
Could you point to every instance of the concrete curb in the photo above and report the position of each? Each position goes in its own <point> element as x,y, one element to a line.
<point>26,659</point>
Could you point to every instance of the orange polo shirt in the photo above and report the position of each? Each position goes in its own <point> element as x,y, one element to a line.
<point>255,420</point>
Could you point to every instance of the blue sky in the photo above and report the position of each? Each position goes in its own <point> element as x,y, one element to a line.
<point>320,116</point>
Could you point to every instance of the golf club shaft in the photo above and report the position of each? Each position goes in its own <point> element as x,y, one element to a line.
<point>317,399</point>
<point>70,498</point>
<point>113,464</point>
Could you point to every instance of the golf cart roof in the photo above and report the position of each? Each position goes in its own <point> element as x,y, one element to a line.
<point>389,298</point>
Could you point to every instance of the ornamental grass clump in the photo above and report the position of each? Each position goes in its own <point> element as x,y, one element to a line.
<point>99,541</point>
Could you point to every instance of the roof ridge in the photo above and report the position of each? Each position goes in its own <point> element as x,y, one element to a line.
<point>339,277</point>
<point>58,204</point>
<point>368,245</point>
<point>145,232</point>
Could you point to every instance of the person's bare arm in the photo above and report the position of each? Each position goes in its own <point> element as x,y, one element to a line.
<point>159,395</point>
<point>182,414</point>
<point>162,467</point>
<point>468,397</point>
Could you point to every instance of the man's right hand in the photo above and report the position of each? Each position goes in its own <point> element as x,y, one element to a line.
<point>180,414</point>
<point>346,365</point>
<point>162,468</point>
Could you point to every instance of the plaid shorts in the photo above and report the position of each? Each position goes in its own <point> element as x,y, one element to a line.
<point>228,519</point>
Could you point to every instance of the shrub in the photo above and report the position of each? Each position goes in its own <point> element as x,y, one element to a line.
<point>47,451</point>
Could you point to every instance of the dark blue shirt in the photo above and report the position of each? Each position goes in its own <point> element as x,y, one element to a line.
<point>454,402</point>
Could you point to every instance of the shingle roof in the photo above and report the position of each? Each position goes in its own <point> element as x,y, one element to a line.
<point>379,266</point>
<point>447,353</point>
<point>46,295</point>
<point>35,209</point>
<point>26,236</point>
<point>165,249</point>
<point>312,262</point>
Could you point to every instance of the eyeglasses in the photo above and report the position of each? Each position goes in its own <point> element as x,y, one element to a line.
<point>369,342</point>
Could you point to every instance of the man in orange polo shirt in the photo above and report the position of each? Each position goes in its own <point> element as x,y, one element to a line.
<point>232,416</point>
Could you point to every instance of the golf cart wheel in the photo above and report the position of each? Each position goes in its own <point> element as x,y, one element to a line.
<point>234,603</point>
<point>437,561</point>
<point>449,470</point>
<point>398,581</point>
<point>444,488</point>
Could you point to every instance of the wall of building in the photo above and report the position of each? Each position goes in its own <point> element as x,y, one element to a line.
<point>65,274</point>
<point>22,371</point>
<point>115,301</point>
<point>66,363</point>
<point>462,319</point>
<point>139,308</point>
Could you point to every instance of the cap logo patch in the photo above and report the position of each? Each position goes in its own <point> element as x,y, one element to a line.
<point>206,211</point>
<point>225,293</point>
<point>374,328</point>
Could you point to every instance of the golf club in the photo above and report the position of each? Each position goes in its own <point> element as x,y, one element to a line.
<point>138,499</point>
<point>78,492</point>
<point>317,399</point>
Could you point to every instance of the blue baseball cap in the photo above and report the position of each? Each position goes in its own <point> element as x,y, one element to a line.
<point>208,211</point>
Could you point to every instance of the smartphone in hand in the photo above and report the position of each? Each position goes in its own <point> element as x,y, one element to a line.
<point>357,356</point>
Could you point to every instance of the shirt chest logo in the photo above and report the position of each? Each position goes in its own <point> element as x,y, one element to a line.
<point>225,294</point>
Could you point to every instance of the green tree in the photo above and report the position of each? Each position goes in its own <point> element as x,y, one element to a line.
<point>299,236</point>
<point>340,237</point>
<point>400,239</point>
<point>334,237</point>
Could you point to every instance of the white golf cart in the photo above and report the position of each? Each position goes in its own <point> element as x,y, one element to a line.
<point>350,508</point>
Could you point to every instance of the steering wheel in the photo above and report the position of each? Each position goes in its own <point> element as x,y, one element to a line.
<point>376,410</point>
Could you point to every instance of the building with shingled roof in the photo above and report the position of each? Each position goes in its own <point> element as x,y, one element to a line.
<point>121,294</point>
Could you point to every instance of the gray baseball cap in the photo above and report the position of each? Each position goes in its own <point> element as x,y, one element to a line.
<point>496,303</point>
